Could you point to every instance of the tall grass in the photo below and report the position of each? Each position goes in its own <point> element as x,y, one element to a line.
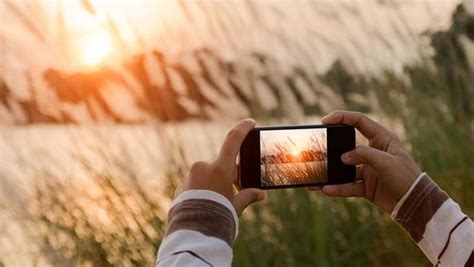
<point>105,213</point>
<point>112,220</point>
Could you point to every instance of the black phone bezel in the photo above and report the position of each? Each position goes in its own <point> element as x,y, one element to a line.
<point>340,139</point>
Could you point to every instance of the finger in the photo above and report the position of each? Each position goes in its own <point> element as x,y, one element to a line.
<point>366,126</point>
<point>359,172</point>
<point>364,171</point>
<point>313,188</point>
<point>246,197</point>
<point>236,178</point>
<point>367,155</point>
<point>344,190</point>
<point>231,146</point>
<point>359,176</point>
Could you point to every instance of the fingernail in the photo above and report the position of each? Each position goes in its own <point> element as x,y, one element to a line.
<point>262,195</point>
<point>328,189</point>
<point>313,188</point>
<point>324,120</point>
<point>345,157</point>
<point>251,121</point>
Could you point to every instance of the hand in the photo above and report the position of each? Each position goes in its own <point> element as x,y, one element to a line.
<point>220,174</point>
<point>385,170</point>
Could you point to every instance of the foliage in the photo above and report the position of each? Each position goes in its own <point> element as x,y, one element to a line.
<point>112,219</point>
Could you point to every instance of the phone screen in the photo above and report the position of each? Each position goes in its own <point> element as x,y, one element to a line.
<point>291,157</point>
<point>295,156</point>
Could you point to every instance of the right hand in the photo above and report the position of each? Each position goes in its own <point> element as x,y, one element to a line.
<point>221,174</point>
<point>385,170</point>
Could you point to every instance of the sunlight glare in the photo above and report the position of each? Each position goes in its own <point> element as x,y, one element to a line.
<point>295,152</point>
<point>95,47</point>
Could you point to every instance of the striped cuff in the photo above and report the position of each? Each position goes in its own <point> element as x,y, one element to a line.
<point>402,200</point>
<point>421,203</point>
<point>193,209</point>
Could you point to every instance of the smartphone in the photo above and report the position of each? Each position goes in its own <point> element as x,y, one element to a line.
<point>296,156</point>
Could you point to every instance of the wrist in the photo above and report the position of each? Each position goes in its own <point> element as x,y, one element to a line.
<point>404,196</point>
<point>209,195</point>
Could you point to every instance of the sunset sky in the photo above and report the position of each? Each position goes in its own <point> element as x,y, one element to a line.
<point>65,30</point>
<point>300,138</point>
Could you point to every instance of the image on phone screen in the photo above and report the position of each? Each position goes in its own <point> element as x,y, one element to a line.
<point>293,156</point>
<point>275,157</point>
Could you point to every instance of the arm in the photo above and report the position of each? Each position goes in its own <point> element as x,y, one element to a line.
<point>436,223</point>
<point>390,178</point>
<point>202,225</point>
<point>203,219</point>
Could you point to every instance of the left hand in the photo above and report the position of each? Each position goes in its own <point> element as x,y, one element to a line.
<point>220,175</point>
<point>385,170</point>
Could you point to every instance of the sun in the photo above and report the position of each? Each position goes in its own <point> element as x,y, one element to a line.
<point>295,152</point>
<point>95,47</point>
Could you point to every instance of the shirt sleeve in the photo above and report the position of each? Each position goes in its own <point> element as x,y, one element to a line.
<point>201,227</point>
<point>436,223</point>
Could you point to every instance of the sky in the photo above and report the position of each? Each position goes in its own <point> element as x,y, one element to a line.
<point>300,138</point>
<point>359,29</point>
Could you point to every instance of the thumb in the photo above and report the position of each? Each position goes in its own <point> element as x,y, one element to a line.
<point>366,155</point>
<point>246,197</point>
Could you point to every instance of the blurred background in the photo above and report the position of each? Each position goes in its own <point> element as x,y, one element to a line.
<point>105,104</point>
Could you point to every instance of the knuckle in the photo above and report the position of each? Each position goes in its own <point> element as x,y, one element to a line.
<point>394,142</point>
<point>360,150</point>
<point>198,167</point>
<point>218,167</point>
<point>359,114</point>
<point>237,132</point>
<point>338,113</point>
<point>359,119</point>
<point>231,133</point>
<point>396,139</point>
<point>393,136</point>
<point>363,119</point>
<point>361,153</point>
<point>234,134</point>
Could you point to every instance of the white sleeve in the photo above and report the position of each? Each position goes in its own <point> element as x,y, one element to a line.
<point>437,224</point>
<point>202,225</point>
